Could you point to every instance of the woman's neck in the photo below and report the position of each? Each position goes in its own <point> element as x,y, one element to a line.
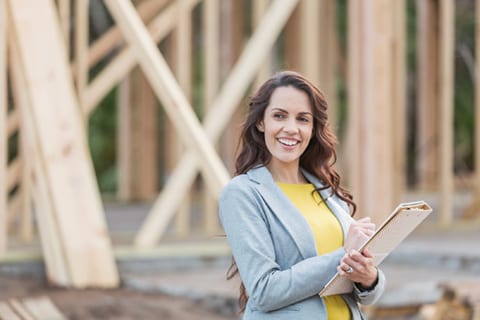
<point>286,173</point>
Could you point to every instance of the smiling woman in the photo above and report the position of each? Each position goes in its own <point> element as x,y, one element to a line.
<point>287,218</point>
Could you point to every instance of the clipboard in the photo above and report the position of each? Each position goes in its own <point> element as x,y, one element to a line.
<point>399,224</point>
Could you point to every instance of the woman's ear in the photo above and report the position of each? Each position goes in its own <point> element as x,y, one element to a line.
<point>260,126</point>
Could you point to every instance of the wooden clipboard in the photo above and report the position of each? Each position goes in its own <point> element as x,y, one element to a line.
<point>399,224</point>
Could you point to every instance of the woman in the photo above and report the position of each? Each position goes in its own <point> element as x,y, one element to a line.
<point>286,217</point>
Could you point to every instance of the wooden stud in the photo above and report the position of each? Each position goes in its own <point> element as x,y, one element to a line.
<point>373,90</point>
<point>183,72</point>
<point>20,309</point>
<point>168,91</point>
<point>3,127</point>
<point>217,118</point>
<point>137,137</point>
<point>259,9</point>
<point>60,138</point>
<point>211,72</point>
<point>309,39</point>
<point>446,68</point>
<point>427,93</point>
<point>81,48</point>
<point>53,255</point>
<point>12,121</point>
<point>64,13</point>
<point>399,92</point>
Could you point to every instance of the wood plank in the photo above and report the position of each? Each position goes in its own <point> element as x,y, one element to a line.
<point>3,125</point>
<point>446,87</point>
<point>64,9</point>
<point>217,118</point>
<point>7,313</point>
<point>81,48</point>
<point>427,94</point>
<point>56,268</point>
<point>309,39</point>
<point>167,90</point>
<point>20,309</point>
<point>211,72</point>
<point>259,9</point>
<point>43,308</point>
<point>125,61</point>
<point>63,152</point>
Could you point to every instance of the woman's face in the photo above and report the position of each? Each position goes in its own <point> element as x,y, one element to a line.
<point>287,125</point>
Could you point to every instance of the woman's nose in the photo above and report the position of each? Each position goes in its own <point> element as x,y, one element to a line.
<point>290,126</point>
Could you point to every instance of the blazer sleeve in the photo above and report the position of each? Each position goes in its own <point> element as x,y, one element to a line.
<point>248,234</point>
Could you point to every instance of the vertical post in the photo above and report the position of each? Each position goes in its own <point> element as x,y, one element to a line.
<point>184,76</point>
<point>211,71</point>
<point>310,40</point>
<point>292,41</point>
<point>81,49</point>
<point>3,127</point>
<point>327,56</point>
<point>427,97</point>
<point>137,138</point>
<point>259,9</point>
<point>374,136</point>
<point>64,10</point>
<point>399,98</point>
<point>446,67</point>
<point>476,207</point>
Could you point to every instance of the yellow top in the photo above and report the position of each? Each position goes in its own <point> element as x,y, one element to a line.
<point>327,232</point>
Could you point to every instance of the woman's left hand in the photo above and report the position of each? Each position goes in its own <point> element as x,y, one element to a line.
<point>359,267</point>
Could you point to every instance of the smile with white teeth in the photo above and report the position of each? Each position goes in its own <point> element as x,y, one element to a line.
<point>288,142</point>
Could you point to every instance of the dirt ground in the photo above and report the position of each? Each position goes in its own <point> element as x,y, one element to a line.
<point>118,304</point>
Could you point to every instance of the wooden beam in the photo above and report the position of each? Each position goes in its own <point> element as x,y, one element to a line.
<point>167,90</point>
<point>42,308</point>
<point>211,72</point>
<point>446,68</point>
<point>125,60</point>
<point>3,127</point>
<point>310,40</point>
<point>399,91</point>
<point>64,9</point>
<point>81,48</point>
<point>427,94</point>
<point>259,9</point>
<point>56,269</point>
<point>60,139</point>
<point>6,312</point>
<point>217,118</point>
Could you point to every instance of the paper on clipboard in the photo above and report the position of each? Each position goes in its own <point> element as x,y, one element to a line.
<point>399,224</point>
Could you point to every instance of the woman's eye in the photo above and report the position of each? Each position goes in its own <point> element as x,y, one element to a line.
<point>304,119</point>
<point>279,116</point>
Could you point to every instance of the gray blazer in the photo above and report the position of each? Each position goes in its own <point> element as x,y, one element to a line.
<point>276,253</point>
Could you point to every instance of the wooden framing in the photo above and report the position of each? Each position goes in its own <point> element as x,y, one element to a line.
<point>72,212</point>
<point>168,91</point>
<point>81,48</point>
<point>446,68</point>
<point>216,119</point>
<point>427,96</point>
<point>370,106</point>
<point>3,128</point>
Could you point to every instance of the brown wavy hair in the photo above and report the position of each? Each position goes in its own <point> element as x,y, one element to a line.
<point>318,159</point>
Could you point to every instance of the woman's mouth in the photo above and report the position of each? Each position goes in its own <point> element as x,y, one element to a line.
<point>288,142</point>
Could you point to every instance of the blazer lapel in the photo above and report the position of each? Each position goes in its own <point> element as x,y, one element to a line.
<point>285,211</point>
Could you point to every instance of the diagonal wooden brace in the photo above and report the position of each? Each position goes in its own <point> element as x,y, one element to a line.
<point>217,119</point>
<point>168,91</point>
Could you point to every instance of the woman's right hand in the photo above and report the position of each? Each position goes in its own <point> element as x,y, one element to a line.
<point>359,231</point>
